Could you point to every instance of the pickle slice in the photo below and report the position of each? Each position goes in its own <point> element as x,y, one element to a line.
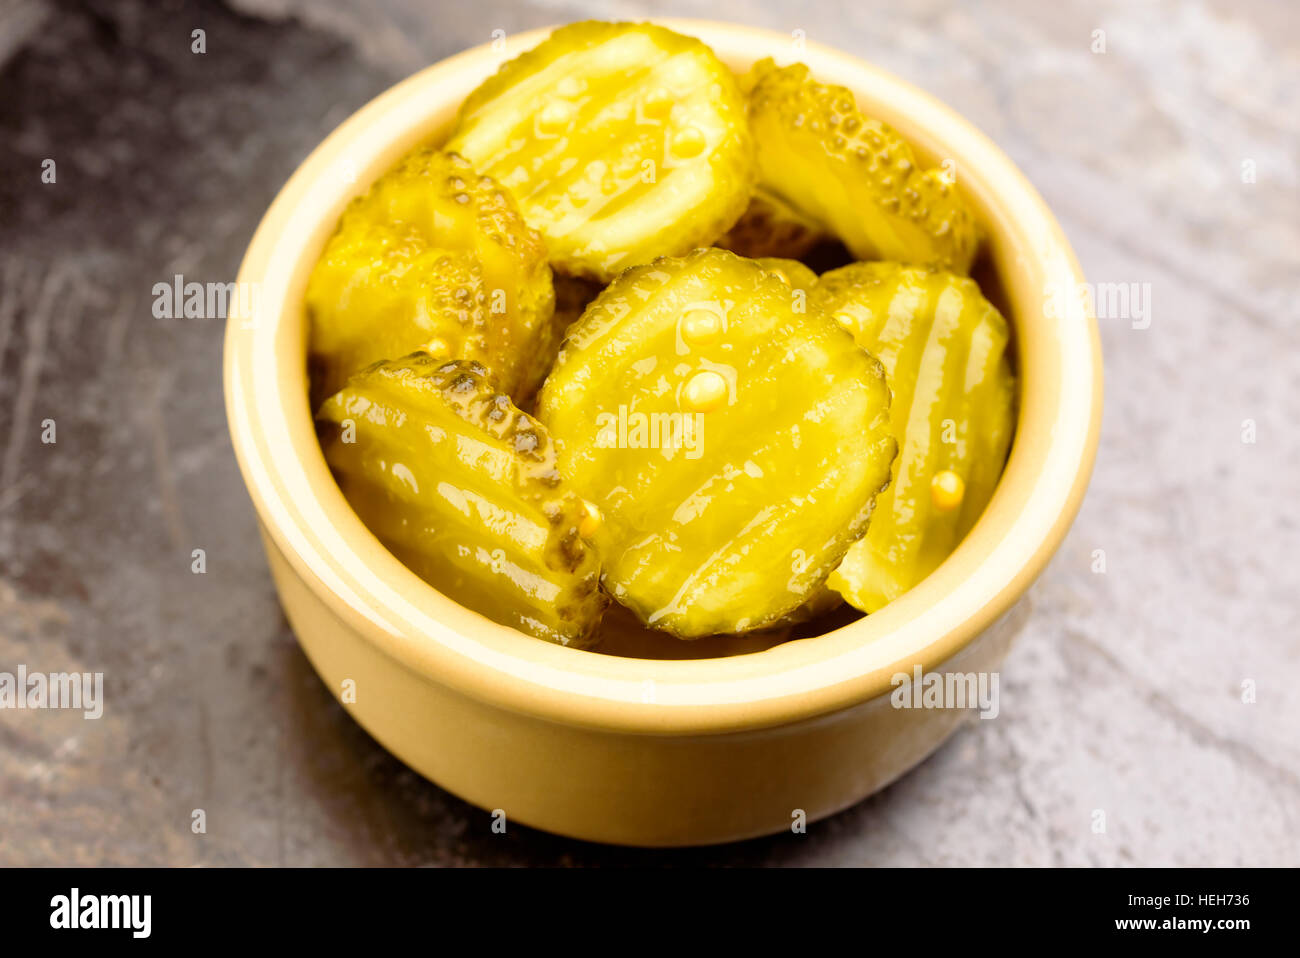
<point>945,349</point>
<point>772,227</point>
<point>853,174</point>
<point>733,444</point>
<point>433,257</point>
<point>620,141</point>
<point>463,488</point>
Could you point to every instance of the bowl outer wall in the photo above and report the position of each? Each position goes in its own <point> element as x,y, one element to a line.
<point>307,519</point>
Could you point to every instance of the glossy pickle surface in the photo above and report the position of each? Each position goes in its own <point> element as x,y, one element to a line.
<point>621,142</point>
<point>786,440</point>
<point>435,257</point>
<point>853,174</point>
<point>762,518</point>
<point>464,489</point>
<point>943,346</point>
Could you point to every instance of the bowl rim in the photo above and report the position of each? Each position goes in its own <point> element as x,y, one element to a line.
<point>305,518</point>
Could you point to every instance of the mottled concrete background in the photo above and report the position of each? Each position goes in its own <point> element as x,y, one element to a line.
<point>1171,159</point>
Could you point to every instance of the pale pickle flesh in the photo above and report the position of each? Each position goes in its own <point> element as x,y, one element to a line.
<point>733,441</point>
<point>943,346</point>
<point>620,141</point>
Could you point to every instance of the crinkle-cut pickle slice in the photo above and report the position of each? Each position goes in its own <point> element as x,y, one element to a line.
<point>432,257</point>
<point>944,347</point>
<point>733,444</point>
<point>771,227</point>
<point>463,488</point>
<point>621,142</point>
<point>853,174</point>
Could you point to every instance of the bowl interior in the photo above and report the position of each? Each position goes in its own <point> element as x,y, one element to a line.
<point>1026,257</point>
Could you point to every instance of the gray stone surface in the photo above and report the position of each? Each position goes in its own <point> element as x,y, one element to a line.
<point>1125,692</point>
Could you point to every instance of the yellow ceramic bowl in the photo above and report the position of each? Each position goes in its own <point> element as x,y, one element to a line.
<point>614,748</point>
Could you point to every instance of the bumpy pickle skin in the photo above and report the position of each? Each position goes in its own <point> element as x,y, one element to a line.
<point>432,257</point>
<point>853,174</point>
<point>733,443</point>
<point>464,489</point>
<point>621,142</point>
<point>944,347</point>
